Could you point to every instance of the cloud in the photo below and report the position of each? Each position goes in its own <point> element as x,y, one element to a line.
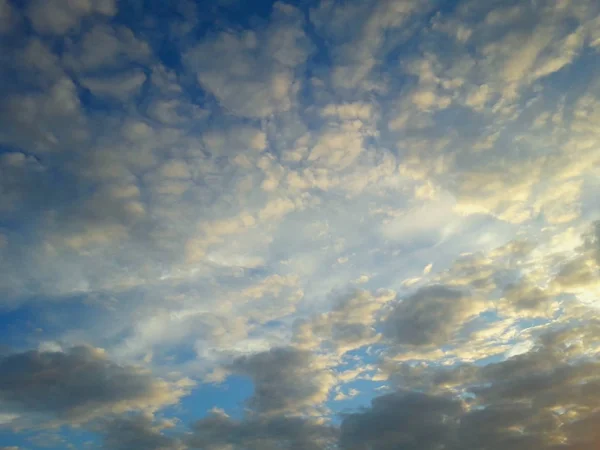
<point>120,87</point>
<point>44,121</point>
<point>524,299</point>
<point>18,172</point>
<point>7,16</point>
<point>358,33</point>
<point>537,397</point>
<point>219,431</point>
<point>432,315</point>
<point>76,386</point>
<point>185,186</point>
<point>407,420</point>
<point>253,74</point>
<point>104,47</point>
<point>60,16</point>
<point>541,398</point>
<point>139,431</point>
<point>286,380</point>
<point>349,325</point>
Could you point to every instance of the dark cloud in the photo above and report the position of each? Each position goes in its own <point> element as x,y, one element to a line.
<point>525,299</point>
<point>219,431</point>
<point>407,420</point>
<point>285,379</point>
<point>432,315</point>
<point>507,426</point>
<point>20,174</point>
<point>556,373</point>
<point>138,432</point>
<point>545,399</point>
<point>349,325</point>
<point>77,385</point>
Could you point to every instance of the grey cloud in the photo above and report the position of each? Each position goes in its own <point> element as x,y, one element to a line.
<point>545,398</point>
<point>138,432</point>
<point>120,87</point>
<point>585,433</point>
<point>285,380</point>
<point>422,377</point>
<point>18,173</point>
<point>105,47</point>
<point>349,325</point>
<point>497,427</point>
<point>578,272</point>
<point>432,315</point>
<point>218,431</point>
<point>407,420</point>
<point>555,373</point>
<point>77,385</point>
<point>7,16</point>
<point>584,269</point>
<point>39,122</point>
<point>593,240</point>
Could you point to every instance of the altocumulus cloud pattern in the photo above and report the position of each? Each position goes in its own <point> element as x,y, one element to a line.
<point>300,225</point>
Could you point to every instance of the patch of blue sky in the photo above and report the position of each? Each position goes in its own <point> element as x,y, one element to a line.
<point>230,395</point>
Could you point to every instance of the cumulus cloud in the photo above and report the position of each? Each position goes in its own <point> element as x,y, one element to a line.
<point>253,74</point>
<point>7,16</point>
<point>543,398</point>
<point>139,431</point>
<point>77,385</point>
<point>185,186</point>
<point>432,315</point>
<point>105,47</point>
<point>349,325</point>
<point>218,431</point>
<point>358,34</point>
<point>60,16</point>
<point>18,172</point>
<point>407,420</point>
<point>525,299</point>
<point>120,87</point>
<point>286,380</point>
<point>44,121</point>
<point>581,271</point>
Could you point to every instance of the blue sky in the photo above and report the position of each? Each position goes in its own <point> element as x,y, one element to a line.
<point>313,224</point>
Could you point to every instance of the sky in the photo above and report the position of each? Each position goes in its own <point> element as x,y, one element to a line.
<point>309,225</point>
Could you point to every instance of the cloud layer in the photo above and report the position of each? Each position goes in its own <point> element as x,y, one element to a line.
<point>327,224</point>
<point>77,385</point>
